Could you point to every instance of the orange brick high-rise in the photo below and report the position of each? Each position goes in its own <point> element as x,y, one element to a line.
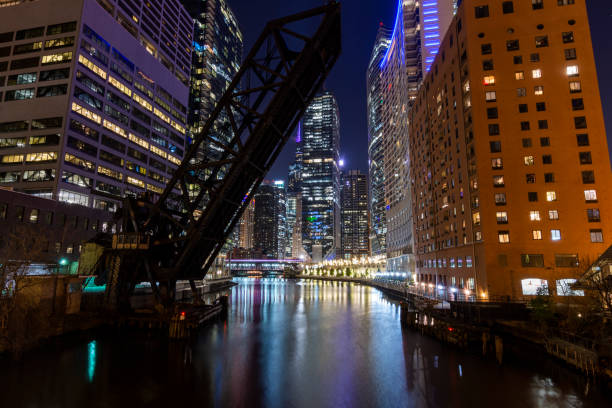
<point>509,161</point>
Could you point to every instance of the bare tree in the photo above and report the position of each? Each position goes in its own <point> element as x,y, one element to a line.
<point>21,320</point>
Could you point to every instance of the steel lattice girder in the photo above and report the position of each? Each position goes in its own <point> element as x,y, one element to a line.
<point>261,108</point>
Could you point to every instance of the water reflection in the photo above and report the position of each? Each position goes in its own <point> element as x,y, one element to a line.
<point>286,344</point>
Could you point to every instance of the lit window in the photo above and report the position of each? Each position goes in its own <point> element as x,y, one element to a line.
<point>553,214</point>
<point>136,182</point>
<point>590,195</point>
<point>476,218</point>
<point>528,160</point>
<point>571,70</point>
<point>538,90</point>
<point>143,102</point>
<point>93,67</point>
<point>489,80</point>
<point>161,115</point>
<point>497,163</point>
<point>503,236</point>
<point>73,198</point>
<point>114,82</point>
<point>502,217</point>
<point>498,181</point>
<point>575,87</point>
<point>555,235</point>
<point>536,234</point>
<point>60,58</point>
<point>86,113</point>
<point>41,157</point>
<point>536,73</point>
<point>551,196</point>
<point>500,198</point>
<point>491,96</point>
<point>596,235</point>
<point>534,215</point>
<point>114,128</point>
<point>518,75</point>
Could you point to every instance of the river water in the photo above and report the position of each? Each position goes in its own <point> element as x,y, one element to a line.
<point>287,344</point>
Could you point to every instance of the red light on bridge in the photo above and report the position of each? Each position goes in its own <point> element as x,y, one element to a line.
<point>450,329</point>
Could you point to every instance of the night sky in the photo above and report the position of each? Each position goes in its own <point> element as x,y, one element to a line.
<point>360,20</point>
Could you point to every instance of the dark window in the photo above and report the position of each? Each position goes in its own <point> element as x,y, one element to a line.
<point>527,142</point>
<point>5,51</point>
<point>582,139</point>
<point>566,260</point>
<point>54,74</point>
<point>541,41</point>
<point>493,129</point>
<point>140,156</point>
<point>61,28</point>
<point>523,108</point>
<point>486,49</point>
<point>537,4</point>
<point>532,260</point>
<point>585,158</point>
<point>53,90</point>
<point>47,123</point>
<point>577,104</point>
<point>87,98</point>
<point>570,54</point>
<point>508,7</point>
<point>544,141</point>
<point>532,196</point>
<point>495,146</point>
<point>3,66</point>
<point>492,113</point>
<point>540,106</point>
<point>111,158</point>
<point>27,48</point>
<point>6,37</point>
<point>525,125</point>
<point>593,215</point>
<point>19,213</point>
<point>568,37</point>
<point>535,57</point>
<point>113,144</point>
<point>512,45</point>
<point>25,63</point>
<point>18,126</point>
<point>542,124</point>
<point>30,33</point>
<point>588,177</point>
<point>547,159</point>
<point>82,146</point>
<point>580,122</point>
<point>530,178</point>
<point>84,129</point>
<point>549,177</point>
<point>487,65</point>
<point>481,11</point>
<point>518,59</point>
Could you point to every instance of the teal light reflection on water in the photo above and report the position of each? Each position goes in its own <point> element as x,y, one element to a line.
<point>91,360</point>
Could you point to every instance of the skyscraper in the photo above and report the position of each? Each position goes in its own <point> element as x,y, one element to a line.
<point>216,58</point>
<point>95,102</point>
<point>354,220</point>
<point>509,155</point>
<point>247,227</point>
<point>270,224</point>
<point>320,181</point>
<point>294,204</point>
<point>376,177</point>
<point>416,35</point>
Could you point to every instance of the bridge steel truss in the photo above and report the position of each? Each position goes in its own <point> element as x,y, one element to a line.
<point>184,230</point>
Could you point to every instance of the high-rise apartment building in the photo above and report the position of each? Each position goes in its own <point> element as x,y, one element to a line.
<point>217,56</point>
<point>414,41</point>
<point>320,176</point>
<point>354,219</point>
<point>509,159</point>
<point>93,97</point>
<point>376,179</point>
<point>270,230</point>
<point>294,201</point>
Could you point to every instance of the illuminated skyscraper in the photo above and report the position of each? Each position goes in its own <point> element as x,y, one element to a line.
<point>354,219</point>
<point>216,59</point>
<point>376,178</point>
<point>270,223</point>
<point>320,158</point>
<point>246,225</point>
<point>418,29</point>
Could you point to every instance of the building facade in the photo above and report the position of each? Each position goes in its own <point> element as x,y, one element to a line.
<point>320,176</point>
<point>376,179</point>
<point>246,227</point>
<point>509,159</point>
<point>270,230</point>
<point>217,56</point>
<point>414,41</point>
<point>94,97</point>
<point>354,219</point>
